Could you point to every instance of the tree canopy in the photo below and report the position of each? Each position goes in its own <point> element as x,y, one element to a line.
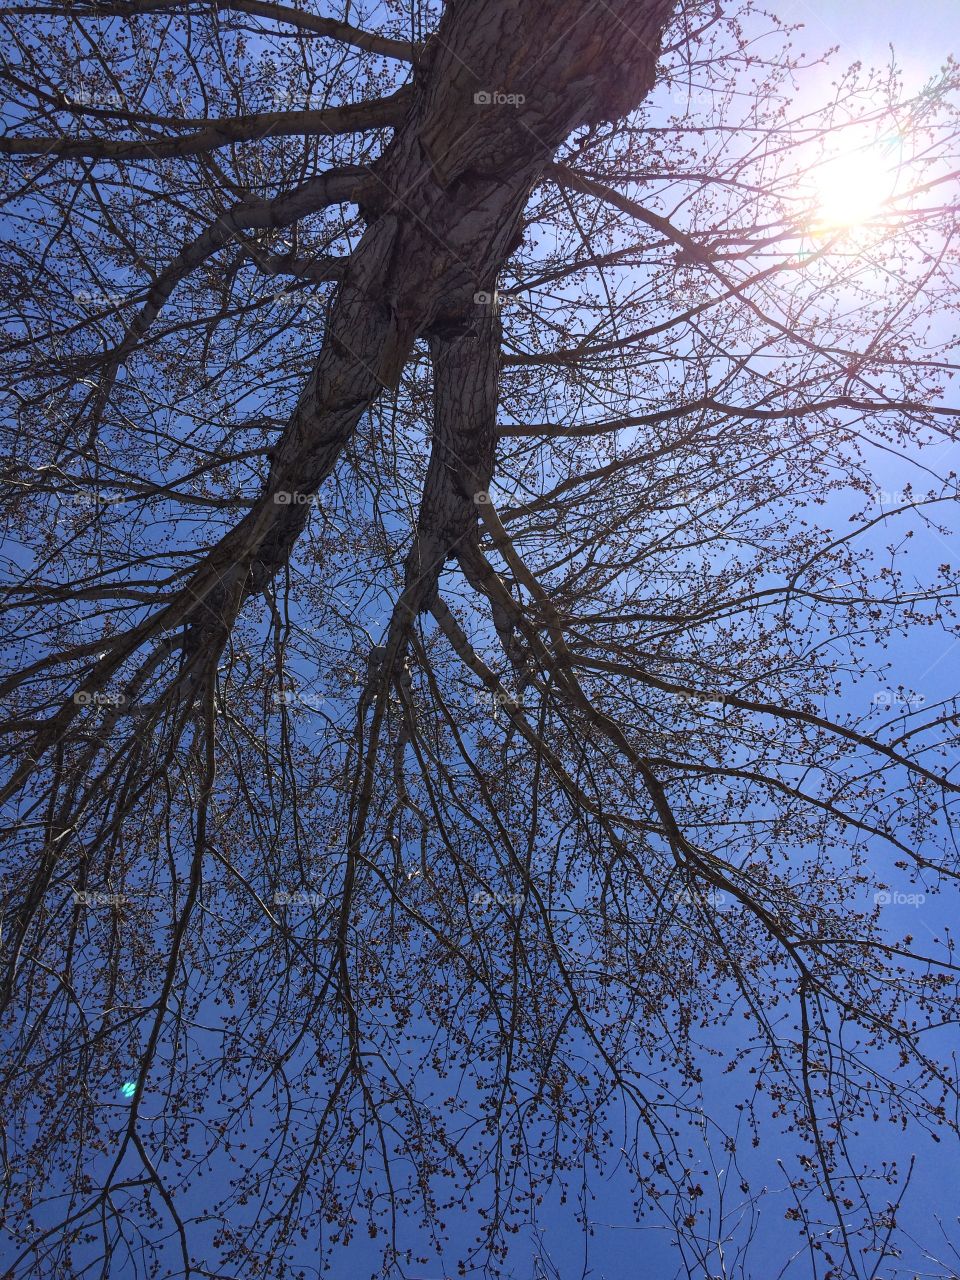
<point>446,598</point>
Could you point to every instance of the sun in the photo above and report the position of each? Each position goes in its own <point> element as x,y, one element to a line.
<point>851,188</point>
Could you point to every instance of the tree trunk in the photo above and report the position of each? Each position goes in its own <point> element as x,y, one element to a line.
<point>500,86</point>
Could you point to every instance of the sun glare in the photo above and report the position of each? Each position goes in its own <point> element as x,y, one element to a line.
<point>850,189</point>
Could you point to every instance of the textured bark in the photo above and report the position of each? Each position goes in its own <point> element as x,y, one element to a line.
<point>443,207</point>
<point>465,383</point>
<point>444,214</point>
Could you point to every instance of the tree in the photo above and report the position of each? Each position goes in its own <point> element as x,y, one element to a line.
<point>443,573</point>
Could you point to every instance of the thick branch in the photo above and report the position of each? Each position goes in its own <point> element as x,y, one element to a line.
<point>353,117</point>
<point>303,21</point>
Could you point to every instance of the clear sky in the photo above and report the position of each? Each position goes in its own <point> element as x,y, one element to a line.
<point>922,32</point>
